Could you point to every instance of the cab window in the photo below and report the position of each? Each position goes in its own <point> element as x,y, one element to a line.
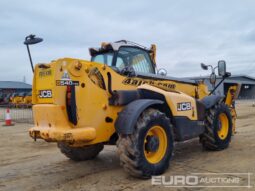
<point>104,58</point>
<point>120,63</point>
<point>137,58</point>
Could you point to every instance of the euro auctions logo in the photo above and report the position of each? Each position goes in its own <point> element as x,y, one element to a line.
<point>213,180</point>
<point>175,180</point>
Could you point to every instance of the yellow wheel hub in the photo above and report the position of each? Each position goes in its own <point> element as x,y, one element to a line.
<point>155,144</point>
<point>223,126</point>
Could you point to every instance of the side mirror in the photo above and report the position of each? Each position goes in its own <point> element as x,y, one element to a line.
<point>204,67</point>
<point>222,68</point>
<point>162,72</point>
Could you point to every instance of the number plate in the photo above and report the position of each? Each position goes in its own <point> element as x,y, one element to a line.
<point>67,83</point>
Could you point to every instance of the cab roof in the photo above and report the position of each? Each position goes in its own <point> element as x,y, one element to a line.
<point>115,46</point>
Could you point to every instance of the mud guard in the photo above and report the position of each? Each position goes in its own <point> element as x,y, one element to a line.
<point>128,117</point>
<point>211,100</point>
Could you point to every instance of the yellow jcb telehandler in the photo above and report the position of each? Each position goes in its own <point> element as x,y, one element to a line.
<point>27,100</point>
<point>119,97</point>
<point>18,99</point>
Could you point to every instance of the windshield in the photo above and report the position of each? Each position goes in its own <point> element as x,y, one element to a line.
<point>104,58</point>
<point>133,57</point>
<point>136,58</point>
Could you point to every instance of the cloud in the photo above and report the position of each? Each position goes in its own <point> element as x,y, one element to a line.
<point>186,32</point>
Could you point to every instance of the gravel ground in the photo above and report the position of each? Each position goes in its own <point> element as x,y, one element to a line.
<point>28,165</point>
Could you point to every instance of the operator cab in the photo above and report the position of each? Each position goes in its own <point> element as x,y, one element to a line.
<point>124,57</point>
<point>131,59</point>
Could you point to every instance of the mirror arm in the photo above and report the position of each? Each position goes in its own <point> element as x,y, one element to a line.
<point>213,84</point>
<point>214,69</point>
<point>30,58</point>
<point>217,85</point>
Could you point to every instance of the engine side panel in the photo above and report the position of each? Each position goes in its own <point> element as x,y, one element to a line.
<point>187,121</point>
<point>179,103</point>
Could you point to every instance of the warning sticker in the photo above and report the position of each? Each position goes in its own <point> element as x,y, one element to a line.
<point>65,76</point>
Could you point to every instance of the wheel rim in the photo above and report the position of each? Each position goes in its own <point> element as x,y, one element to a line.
<point>223,126</point>
<point>155,155</point>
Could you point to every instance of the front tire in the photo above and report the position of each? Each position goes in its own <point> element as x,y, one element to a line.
<point>218,132</point>
<point>148,150</point>
<point>80,153</point>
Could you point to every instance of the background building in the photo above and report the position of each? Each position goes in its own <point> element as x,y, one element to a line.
<point>9,87</point>
<point>247,85</point>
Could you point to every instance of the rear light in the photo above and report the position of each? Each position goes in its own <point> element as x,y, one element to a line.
<point>68,88</point>
<point>68,95</point>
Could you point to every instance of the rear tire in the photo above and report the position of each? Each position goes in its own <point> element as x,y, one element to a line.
<point>148,150</point>
<point>80,153</point>
<point>218,132</point>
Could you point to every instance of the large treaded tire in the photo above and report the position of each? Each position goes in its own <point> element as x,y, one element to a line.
<point>210,138</point>
<point>80,153</point>
<point>131,147</point>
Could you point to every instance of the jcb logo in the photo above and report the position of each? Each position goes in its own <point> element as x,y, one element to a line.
<point>45,94</point>
<point>185,106</point>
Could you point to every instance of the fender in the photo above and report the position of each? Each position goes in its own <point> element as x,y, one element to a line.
<point>128,117</point>
<point>211,100</point>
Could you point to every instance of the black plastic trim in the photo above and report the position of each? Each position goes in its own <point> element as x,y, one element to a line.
<point>201,109</point>
<point>185,129</point>
<point>128,117</point>
<point>71,109</point>
<point>211,100</point>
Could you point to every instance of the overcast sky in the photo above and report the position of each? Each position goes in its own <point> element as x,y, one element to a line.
<point>186,32</point>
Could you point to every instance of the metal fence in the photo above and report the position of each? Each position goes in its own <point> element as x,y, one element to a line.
<point>19,115</point>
